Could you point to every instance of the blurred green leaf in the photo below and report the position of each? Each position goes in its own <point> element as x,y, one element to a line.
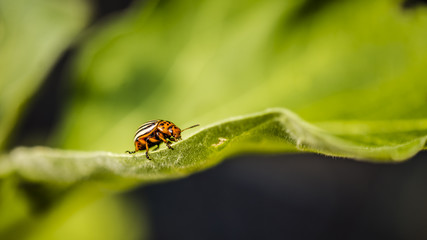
<point>14,205</point>
<point>48,211</point>
<point>203,61</point>
<point>33,34</point>
<point>83,215</point>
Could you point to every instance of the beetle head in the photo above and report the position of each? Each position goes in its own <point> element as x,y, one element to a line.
<point>176,132</point>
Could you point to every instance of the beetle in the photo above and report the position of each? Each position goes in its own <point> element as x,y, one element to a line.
<point>154,132</point>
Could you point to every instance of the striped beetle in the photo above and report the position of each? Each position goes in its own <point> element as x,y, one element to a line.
<point>154,132</point>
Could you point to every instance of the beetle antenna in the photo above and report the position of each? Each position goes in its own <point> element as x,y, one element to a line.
<point>190,127</point>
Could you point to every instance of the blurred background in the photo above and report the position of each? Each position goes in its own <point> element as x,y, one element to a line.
<point>292,197</point>
<point>124,62</point>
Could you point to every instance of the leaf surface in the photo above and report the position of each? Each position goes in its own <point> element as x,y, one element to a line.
<point>274,130</point>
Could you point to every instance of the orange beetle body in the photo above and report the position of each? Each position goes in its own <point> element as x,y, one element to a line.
<point>154,132</point>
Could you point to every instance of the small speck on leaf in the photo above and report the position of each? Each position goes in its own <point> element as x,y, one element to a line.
<point>220,142</point>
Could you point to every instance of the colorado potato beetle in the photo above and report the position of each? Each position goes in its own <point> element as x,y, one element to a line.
<point>154,132</point>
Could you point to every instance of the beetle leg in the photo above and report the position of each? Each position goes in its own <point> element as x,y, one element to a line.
<point>130,152</point>
<point>169,145</point>
<point>157,147</point>
<point>161,136</point>
<point>146,151</point>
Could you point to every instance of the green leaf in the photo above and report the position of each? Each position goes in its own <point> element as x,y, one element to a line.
<point>44,211</point>
<point>274,130</point>
<point>33,34</point>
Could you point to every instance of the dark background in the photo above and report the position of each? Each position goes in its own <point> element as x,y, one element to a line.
<point>304,196</point>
